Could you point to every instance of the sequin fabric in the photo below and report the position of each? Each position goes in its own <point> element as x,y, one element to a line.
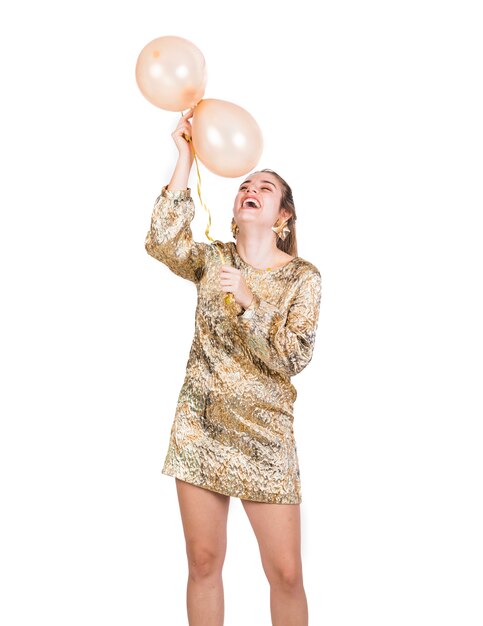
<point>232,431</point>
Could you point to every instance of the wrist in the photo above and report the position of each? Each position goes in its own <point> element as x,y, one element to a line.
<point>249,310</point>
<point>249,303</point>
<point>185,156</point>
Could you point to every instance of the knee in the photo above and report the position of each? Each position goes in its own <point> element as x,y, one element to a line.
<point>204,562</point>
<point>286,576</point>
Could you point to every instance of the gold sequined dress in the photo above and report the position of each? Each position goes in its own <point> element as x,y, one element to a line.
<point>232,431</point>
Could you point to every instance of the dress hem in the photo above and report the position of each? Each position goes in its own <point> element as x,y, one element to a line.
<point>173,474</point>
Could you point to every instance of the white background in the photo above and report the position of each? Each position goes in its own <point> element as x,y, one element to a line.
<point>372,111</point>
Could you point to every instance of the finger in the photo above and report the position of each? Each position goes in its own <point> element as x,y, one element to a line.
<point>225,273</point>
<point>183,124</point>
<point>230,268</point>
<point>225,279</point>
<point>189,114</point>
<point>228,285</point>
<point>181,130</point>
<point>184,130</point>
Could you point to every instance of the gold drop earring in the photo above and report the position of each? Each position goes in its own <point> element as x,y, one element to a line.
<point>234,228</point>
<point>282,229</point>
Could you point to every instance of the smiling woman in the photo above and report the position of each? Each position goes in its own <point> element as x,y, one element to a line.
<point>232,434</point>
<point>268,194</point>
<point>252,200</point>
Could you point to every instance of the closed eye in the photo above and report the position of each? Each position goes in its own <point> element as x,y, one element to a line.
<point>263,188</point>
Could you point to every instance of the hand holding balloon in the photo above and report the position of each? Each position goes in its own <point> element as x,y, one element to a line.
<point>181,136</point>
<point>232,280</point>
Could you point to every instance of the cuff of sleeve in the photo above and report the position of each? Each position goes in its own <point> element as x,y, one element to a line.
<point>176,194</point>
<point>249,312</point>
<point>260,315</point>
<point>259,326</point>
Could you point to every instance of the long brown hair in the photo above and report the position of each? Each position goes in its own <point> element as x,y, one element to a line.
<point>289,245</point>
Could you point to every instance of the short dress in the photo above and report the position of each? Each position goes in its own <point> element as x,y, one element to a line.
<point>232,431</point>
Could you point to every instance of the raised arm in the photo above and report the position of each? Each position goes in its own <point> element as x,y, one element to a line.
<point>284,345</point>
<point>169,238</point>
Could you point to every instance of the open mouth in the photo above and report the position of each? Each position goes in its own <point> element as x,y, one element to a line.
<point>250,204</point>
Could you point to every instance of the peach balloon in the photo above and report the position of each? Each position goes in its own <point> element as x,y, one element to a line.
<point>226,138</point>
<point>171,73</point>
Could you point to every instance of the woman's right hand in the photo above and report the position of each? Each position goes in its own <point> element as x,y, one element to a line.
<point>184,128</point>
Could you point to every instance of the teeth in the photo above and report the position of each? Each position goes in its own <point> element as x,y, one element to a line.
<point>257,204</point>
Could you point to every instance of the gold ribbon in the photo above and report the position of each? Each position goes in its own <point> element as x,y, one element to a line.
<point>229,297</point>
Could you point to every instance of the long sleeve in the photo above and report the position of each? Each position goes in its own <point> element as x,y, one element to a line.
<point>285,345</point>
<point>170,239</point>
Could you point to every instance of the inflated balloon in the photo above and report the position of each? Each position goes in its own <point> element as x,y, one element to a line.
<point>171,73</point>
<point>226,138</point>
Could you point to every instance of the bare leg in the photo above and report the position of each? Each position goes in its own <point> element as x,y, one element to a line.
<point>277,529</point>
<point>204,515</point>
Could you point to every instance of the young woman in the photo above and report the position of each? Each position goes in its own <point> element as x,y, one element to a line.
<point>232,434</point>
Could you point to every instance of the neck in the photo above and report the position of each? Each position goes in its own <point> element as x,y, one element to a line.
<point>258,253</point>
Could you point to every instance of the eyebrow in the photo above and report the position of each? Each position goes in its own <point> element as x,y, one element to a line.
<point>263,181</point>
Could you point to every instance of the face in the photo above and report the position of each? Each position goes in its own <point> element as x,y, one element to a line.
<point>258,200</point>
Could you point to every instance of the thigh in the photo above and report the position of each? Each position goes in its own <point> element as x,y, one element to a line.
<point>204,515</point>
<point>277,529</point>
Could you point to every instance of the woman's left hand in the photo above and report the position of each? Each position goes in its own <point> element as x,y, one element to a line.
<point>233,281</point>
